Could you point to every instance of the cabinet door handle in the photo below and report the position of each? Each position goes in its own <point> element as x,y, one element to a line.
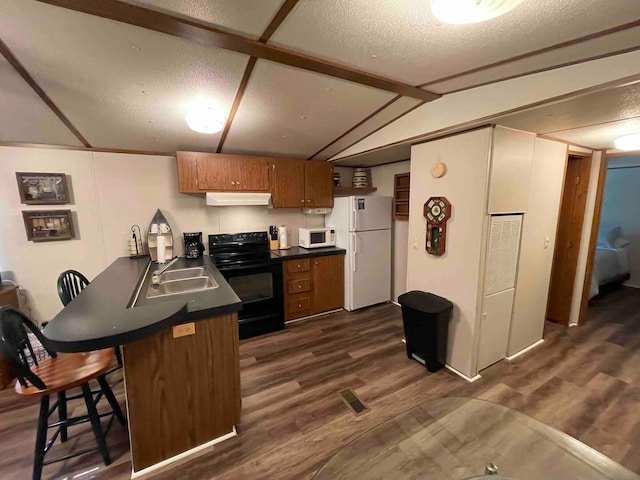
<point>299,266</point>
<point>308,201</point>
<point>299,286</point>
<point>299,305</point>
<point>315,263</point>
<point>232,182</point>
<point>302,201</point>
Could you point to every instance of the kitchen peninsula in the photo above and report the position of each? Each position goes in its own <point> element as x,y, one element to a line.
<point>180,355</point>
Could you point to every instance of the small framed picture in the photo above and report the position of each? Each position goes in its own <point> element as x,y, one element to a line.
<point>42,188</point>
<point>48,225</point>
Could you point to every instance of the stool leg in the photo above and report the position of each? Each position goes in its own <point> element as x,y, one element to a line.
<point>118,355</point>
<point>41,438</point>
<point>62,414</point>
<point>96,424</point>
<point>111,398</point>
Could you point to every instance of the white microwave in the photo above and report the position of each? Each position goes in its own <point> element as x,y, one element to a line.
<point>317,237</point>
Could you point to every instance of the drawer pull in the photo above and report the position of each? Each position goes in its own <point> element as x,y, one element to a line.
<point>299,305</point>
<point>299,266</point>
<point>299,286</point>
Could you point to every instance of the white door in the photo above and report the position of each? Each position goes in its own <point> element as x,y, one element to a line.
<point>370,268</point>
<point>370,213</point>
<point>494,327</point>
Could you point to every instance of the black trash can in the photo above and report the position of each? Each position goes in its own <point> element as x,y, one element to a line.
<point>426,327</point>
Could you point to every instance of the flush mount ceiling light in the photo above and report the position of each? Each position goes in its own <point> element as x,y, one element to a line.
<point>204,119</point>
<point>460,12</point>
<point>628,142</point>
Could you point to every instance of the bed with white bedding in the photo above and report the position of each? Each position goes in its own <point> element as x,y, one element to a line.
<point>611,263</point>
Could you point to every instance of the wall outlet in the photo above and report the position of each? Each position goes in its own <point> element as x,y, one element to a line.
<point>184,329</point>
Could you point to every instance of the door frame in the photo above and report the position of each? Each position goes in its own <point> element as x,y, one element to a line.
<point>595,226</point>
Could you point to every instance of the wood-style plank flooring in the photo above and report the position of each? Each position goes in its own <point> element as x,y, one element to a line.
<point>584,381</point>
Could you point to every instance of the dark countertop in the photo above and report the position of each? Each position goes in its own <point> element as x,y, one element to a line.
<point>104,315</point>
<point>299,252</point>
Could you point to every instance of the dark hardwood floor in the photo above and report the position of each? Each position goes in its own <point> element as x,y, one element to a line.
<point>584,381</point>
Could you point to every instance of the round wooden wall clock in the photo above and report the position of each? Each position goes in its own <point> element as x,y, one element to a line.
<point>437,210</point>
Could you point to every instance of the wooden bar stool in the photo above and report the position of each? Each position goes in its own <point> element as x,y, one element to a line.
<point>56,375</point>
<point>70,284</point>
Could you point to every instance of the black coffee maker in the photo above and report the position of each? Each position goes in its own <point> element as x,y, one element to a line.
<point>193,246</point>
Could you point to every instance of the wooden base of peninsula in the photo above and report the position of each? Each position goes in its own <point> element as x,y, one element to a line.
<point>182,392</point>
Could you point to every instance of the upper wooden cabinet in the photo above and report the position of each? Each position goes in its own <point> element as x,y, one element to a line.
<point>301,183</point>
<point>318,184</point>
<point>293,183</point>
<point>287,183</point>
<point>202,172</point>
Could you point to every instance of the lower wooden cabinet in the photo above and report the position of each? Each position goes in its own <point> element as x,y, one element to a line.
<point>313,285</point>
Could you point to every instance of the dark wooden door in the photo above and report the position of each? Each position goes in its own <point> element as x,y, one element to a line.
<point>318,184</point>
<point>565,257</point>
<point>287,183</point>
<point>328,283</point>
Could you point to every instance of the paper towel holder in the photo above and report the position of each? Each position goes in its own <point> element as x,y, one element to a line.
<point>159,227</point>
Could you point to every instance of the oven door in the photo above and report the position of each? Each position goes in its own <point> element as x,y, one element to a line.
<point>260,289</point>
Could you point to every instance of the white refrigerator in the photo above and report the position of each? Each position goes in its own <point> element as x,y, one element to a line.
<point>363,228</point>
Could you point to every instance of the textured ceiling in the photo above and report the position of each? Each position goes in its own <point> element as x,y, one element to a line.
<point>24,117</point>
<point>126,87</point>
<point>89,69</point>
<point>592,120</point>
<point>290,111</point>
<point>246,17</point>
<point>411,46</point>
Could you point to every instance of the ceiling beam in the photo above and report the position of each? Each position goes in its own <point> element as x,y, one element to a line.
<point>15,63</point>
<point>276,21</point>
<point>206,35</point>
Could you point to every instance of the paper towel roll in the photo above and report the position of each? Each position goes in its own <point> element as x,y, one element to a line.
<point>161,243</point>
<point>283,237</point>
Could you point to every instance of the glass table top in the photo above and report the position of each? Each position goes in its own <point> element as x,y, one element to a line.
<point>457,438</point>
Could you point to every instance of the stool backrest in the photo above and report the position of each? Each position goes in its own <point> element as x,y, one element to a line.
<point>70,284</point>
<point>14,340</point>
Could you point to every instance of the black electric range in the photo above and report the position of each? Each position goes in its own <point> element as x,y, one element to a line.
<point>245,261</point>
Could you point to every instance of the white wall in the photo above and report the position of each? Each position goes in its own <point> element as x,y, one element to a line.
<point>583,253</point>
<point>111,192</point>
<point>621,207</point>
<point>382,178</point>
<point>537,244</point>
<point>456,274</point>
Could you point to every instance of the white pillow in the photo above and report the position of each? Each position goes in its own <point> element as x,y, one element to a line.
<point>607,236</point>
<point>620,242</point>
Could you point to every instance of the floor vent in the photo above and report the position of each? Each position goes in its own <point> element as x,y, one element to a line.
<point>353,402</point>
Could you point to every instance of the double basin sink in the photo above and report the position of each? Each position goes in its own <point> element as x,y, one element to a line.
<point>179,281</point>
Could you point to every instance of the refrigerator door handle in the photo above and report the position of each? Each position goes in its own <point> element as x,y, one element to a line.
<point>354,219</point>
<point>354,249</point>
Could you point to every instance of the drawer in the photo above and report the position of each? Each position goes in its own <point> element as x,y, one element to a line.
<point>298,304</point>
<point>298,286</point>
<point>301,265</point>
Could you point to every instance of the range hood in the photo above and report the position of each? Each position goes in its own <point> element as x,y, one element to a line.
<point>219,199</point>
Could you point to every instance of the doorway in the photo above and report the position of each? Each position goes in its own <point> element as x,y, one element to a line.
<point>568,238</point>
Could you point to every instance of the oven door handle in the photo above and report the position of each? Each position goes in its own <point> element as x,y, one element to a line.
<point>248,266</point>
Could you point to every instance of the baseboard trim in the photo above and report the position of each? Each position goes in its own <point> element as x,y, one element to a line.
<point>169,462</point>
<point>313,316</point>
<point>525,350</point>
<point>462,375</point>
<point>395,303</point>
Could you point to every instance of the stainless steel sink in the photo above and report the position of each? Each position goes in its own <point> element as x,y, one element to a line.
<point>182,273</point>
<point>181,281</point>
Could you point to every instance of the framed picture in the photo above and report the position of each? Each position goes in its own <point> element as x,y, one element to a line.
<point>42,188</point>
<point>48,225</point>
